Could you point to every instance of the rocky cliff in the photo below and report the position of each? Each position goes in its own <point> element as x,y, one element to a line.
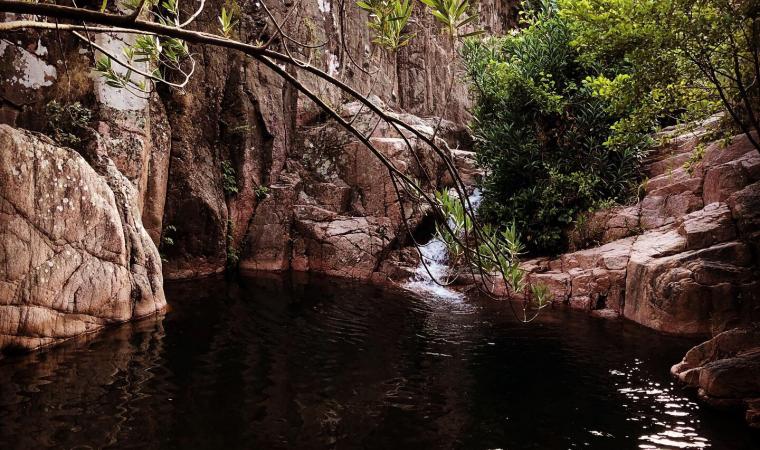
<point>74,254</point>
<point>235,169</point>
<point>213,164</point>
<point>684,259</point>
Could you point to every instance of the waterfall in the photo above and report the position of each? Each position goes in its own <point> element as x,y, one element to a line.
<point>435,255</point>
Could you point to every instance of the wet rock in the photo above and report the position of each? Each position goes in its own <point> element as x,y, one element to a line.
<point>76,255</point>
<point>726,370</point>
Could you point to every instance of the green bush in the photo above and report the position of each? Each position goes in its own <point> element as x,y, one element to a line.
<point>67,123</point>
<point>543,131</point>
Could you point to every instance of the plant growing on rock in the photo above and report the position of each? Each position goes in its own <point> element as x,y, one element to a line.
<point>229,178</point>
<point>454,15</point>
<point>169,28</point>
<point>388,20</point>
<point>67,122</point>
<point>261,193</point>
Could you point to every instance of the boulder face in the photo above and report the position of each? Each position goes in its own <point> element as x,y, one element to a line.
<point>74,253</point>
<point>219,164</point>
<point>726,371</point>
<point>336,210</point>
<point>684,260</point>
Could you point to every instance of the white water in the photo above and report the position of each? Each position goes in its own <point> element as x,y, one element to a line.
<point>435,256</point>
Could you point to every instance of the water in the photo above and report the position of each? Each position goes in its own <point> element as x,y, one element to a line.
<point>435,257</point>
<point>288,363</point>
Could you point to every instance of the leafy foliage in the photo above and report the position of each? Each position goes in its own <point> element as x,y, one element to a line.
<point>454,15</point>
<point>388,20</point>
<point>542,132</point>
<point>228,18</point>
<point>229,178</point>
<point>497,254</point>
<point>150,58</point>
<point>680,59</point>
<point>67,122</point>
<point>261,193</point>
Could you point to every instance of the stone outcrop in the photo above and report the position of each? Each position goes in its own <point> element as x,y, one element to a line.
<point>74,253</point>
<point>238,120</point>
<point>684,260</point>
<point>228,169</point>
<point>726,371</point>
<point>337,211</point>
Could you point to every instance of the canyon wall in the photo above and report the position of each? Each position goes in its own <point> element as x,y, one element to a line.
<point>238,117</point>
<point>235,169</point>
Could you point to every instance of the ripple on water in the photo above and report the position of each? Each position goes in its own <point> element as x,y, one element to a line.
<point>281,363</point>
<point>651,403</point>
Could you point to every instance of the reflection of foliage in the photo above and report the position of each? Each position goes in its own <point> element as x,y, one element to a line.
<point>66,123</point>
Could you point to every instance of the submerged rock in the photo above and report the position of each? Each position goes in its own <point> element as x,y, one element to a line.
<point>74,252</point>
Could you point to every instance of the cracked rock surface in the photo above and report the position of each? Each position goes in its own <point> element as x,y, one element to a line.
<point>726,371</point>
<point>73,252</point>
<point>684,260</point>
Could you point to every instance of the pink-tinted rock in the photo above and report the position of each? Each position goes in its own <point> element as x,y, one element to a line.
<point>689,292</point>
<point>726,370</point>
<point>711,225</point>
<point>558,284</point>
<point>76,255</point>
<point>723,180</point>
<point>268,245</point>
<point>745,210</point>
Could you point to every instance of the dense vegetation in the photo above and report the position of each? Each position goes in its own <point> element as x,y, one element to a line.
<point>565,104</point>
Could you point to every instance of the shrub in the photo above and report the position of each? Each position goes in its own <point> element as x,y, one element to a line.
<point>67,122</point>
<point>543,131</point>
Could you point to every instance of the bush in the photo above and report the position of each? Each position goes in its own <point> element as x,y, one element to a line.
<point>543,131</point>
<point>67,123</point>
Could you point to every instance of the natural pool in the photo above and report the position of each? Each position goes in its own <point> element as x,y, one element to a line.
<point>283,362</point>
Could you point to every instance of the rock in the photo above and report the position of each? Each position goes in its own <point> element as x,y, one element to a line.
<point>710,225</point>
<point>349,247</point>
<point>726,370</point>
<point>722,181</point>
<point>745,210</point>
<point>268,244</point>
<point>691,292</point>
<point>76,255</point>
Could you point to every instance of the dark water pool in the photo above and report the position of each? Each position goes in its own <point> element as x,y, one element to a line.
<point>283,363</point>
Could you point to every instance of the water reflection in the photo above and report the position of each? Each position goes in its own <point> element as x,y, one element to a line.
<point>292,363</point>
<point>650,403</point>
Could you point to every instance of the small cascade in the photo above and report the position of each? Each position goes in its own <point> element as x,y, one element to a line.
<point>436,257</point>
